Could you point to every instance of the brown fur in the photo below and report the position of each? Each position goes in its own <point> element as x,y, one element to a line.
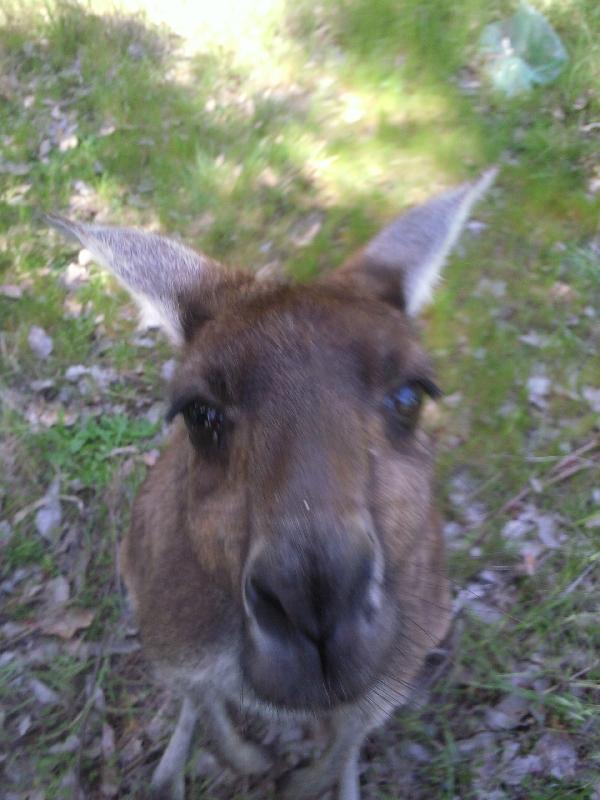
<point>298,565</point>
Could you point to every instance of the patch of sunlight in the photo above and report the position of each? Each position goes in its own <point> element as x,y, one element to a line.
<point>361,109</point>
<point>249,31</point>
<point>352,166</point>
<point>242,26</point>
<point>563,5</point>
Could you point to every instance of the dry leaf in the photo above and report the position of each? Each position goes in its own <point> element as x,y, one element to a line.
<point>108,741</point>
<point>40,343</point>
<point>57,592</point>
<point>75,274</point>
<point>49,516</point>
<point>534,339</point>
<point>11,291</point>
<point>44,694</point>
<point>66,622</point>
<point>12,168</point>
<point>558,754</point>
<point>538,388</point>
<point>70,745</point>
<point>488,286</point>
<point>593,398</point>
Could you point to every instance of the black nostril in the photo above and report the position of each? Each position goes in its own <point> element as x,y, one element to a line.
<point>265,606</point>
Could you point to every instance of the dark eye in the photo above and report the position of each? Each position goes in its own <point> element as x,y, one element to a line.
<point>205,424</point>
<point>405,399</point>
<point>405,404</point>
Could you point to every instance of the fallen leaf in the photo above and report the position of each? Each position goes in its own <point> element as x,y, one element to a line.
<point>520,768</point>
<point>6,532</point>
<point>24,724</point>
<point>44,694</point>
<point>57,592</point>
<point>476,227</point>
<point>74,275</point>
<point>40,343</point>
<point>546,525</point>
<point>108,741</point>
<point>107,129</point>
<point>68,143</point>
<point>534,339</point>
<point>481,741</point>
<point>72,308</point>
<point>12,168</point>
<point>67,622</point>
<point>43,386</point>
<point>516,528</point>
<point>306,230</point>
<point>538,389</point>
<point>558,755</point>
<point>75,372</point>
<point>131,750</point>
<point>508,713</point>
<point>11,291</point>
<point>487,286</point>
<point>49,516</point>
<point>561,291</point>
<point>144,341</point>
<point>593,398</point>
<point>530,553</point>
<point>70,745</point>
<point>44,148</point>
<point>84,257</point>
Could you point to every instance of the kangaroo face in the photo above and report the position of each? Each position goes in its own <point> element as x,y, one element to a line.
<point>301,406</point>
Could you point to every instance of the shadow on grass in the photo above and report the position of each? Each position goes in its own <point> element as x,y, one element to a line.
<point>202,149</point>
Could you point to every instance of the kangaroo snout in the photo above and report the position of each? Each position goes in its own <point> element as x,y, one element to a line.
<point>311,615</point>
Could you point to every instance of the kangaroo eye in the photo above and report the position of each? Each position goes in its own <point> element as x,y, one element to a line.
<point>200,416</point>
<point>404,403</point>
<point>206,423</point>
<point>405,399</point>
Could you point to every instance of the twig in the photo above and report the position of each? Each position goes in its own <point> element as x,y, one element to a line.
<point>568,466</point>
<point>29,509</point>
<point>563,469</point>
<point>84,714</point>
<point>574,584</point>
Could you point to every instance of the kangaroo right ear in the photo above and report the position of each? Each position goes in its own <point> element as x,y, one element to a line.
<point>173,285</point>
<point>403,262</point>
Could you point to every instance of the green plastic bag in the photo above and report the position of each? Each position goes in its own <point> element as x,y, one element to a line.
<point>522,52</point>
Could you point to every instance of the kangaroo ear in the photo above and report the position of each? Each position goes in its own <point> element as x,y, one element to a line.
<point>166,279</point>
<point>403,263</point>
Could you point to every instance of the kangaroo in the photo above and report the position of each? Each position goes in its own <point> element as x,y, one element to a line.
<point>285,551</point>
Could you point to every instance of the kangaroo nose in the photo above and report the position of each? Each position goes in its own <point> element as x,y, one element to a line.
<point>317,606</point>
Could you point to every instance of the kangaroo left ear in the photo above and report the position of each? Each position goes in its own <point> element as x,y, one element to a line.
<point>172,284</point>
<point>404,261</point>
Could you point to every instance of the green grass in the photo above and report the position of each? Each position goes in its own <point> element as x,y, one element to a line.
<point>84,451</point>
<point>343,113</point>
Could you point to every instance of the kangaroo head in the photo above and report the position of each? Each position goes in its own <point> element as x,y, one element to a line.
<point>303,480</point>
